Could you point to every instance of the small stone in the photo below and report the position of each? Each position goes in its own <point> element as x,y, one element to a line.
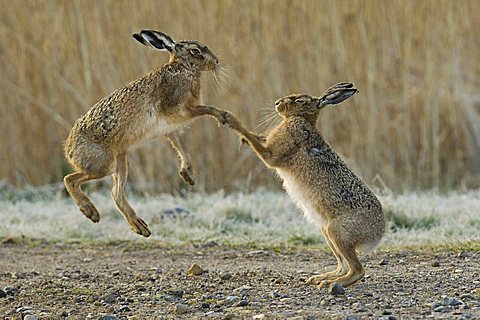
<point>180,308</point>
<point>358,307</point>
<point>286,300</point>
<point>226,276</point>
<point>439,309</point>
<point>176,293</point>
<point>30,317</point>
<point>115,273</point>
<point>435,264</point>
<point>109,317</point>
<point>351,318</point>
<point>110,297</point>
<point>383,262</point>
<point>230,300</point>
<point>195,270</point>
<point>3,294</point>
<point>64,314</point>
<point>392,318</point>
<point>451,301</point>
<point>336,289</point>
<point>387,312</point>
<point>243,303</point>
<point>256,304</point>
<point>10,291</point>
<point>259,316</point>
<point>205,305</point>
<point>124,308</point>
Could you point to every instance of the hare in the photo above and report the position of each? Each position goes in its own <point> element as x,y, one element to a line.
<point>329,193</point>
<point>160,103</point>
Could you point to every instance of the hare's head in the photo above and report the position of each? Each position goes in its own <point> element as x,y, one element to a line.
<point>192,54</point>
<point>294,105</point>
<point>307,106</point>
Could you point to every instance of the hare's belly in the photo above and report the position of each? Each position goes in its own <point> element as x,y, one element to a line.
<point>303,198</point>
<point>155,127</point>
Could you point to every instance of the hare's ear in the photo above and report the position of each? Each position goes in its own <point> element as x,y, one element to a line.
<point>336,94</point>
<point>155,39</point>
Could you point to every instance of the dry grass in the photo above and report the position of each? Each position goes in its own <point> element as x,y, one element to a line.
<point>415,123</point>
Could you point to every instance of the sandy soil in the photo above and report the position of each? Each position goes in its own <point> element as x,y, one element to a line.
<point>128,281</point>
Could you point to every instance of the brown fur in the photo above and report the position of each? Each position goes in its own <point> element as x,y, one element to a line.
<point>160,102</point>
<point>330,194</point>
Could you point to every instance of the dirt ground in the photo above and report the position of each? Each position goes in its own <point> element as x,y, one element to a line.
<point>130,281</point>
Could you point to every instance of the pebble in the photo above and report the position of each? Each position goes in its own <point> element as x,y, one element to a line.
<point>387,312</point>
<point>336,289</point>
<point>259,316</point>
<point>124,308</point>
<point>10,291</point>
<point>3,294</point>
<point>230,300</point>
<point>451,301</point>
<point>226,276</point>
<point>110,297</point>
<point>195,270</point>
<point>256,304</point>
<point>383,262</point>
<point>435,264</point>
<point>439,309</point>
<point>358,307</point>
<point>243,303</point>
<point>180,308</point>
<point>30,317</point>
<point>109,317</point>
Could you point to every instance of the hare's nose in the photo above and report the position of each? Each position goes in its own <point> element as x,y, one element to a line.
<point>277,102</point>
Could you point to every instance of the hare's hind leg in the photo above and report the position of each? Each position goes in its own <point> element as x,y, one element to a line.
<point>339,271</point>
<point>349,256</point>
<point>118,195</point>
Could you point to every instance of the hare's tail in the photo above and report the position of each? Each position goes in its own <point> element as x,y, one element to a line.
<point>338,93</point>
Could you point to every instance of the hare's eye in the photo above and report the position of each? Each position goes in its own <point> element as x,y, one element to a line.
<point>195,51</point>
<point>301,100</point>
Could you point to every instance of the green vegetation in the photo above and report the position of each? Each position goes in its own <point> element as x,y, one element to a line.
<point>400,220</point>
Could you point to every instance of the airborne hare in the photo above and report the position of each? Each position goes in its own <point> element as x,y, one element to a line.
<point>329,193</point>
<point>160,103</point>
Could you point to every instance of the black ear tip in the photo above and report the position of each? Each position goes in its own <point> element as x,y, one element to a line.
<point>137,37</point>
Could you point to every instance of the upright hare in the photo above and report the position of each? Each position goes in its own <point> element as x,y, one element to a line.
<point>329,193</point>
<point>159,103</point>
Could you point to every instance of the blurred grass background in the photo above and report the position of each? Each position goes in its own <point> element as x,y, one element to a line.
<point>414,125</point>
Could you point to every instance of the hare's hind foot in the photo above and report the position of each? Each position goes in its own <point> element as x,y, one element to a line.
<point>90,212</point>
<point>72,183</point>
<point>139,226</point>
<point>345,280</point>
<point>318,279</point>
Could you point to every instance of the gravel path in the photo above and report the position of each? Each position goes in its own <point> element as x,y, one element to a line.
<point>130,281</point>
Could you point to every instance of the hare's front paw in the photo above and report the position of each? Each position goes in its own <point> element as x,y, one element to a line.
<point>187,175</point>
<point>226,118</point>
